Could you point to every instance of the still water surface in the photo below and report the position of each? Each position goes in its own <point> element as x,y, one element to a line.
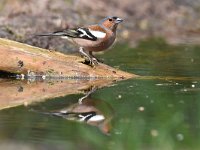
<point>160,110</point>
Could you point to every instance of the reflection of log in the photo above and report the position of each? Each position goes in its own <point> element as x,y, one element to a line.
<point>21,58</point>
<point>14,93</point>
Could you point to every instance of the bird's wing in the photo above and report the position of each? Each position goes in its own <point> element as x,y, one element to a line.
<point>93,33</point>
<point>83,33</point>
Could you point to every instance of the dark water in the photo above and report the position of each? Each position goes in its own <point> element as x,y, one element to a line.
<point>160,110</point>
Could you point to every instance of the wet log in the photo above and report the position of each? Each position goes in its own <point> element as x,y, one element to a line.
<point>24,59</point>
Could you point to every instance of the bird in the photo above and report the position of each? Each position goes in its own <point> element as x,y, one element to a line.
<point>91,38</point>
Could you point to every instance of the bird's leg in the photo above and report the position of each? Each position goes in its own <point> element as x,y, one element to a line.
<point>81,50</point>
<point>94,58</point>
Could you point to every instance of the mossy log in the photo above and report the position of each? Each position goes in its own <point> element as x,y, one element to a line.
<point>24,59</point>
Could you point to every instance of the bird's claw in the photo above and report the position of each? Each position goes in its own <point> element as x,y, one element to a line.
<point>92,62</point>
<point>95,61</point>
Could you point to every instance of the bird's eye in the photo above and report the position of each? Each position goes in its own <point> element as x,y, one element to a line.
<point>110,19</point>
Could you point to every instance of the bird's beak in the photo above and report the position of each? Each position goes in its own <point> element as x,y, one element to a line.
<point>119,20</point>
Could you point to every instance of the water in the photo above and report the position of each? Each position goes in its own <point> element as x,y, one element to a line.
<point>159,110</point>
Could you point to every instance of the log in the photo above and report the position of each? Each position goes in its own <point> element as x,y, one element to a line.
<point>24,59</point>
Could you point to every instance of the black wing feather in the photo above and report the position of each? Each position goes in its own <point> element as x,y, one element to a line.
<point>83,33</point>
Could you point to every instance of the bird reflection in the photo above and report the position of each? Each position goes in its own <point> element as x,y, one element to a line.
<point>88,110</point>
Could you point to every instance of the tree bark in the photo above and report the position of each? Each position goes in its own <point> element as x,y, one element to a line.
<point>24,59</point>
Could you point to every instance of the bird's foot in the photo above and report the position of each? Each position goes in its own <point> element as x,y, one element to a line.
<point>95,58</point>
<point>95,61</point>
<point>91,62</point>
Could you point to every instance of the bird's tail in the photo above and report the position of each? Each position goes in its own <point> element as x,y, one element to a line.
<point>51,34</point>
<point>63,33</point>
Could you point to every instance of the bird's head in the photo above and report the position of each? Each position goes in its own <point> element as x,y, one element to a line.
<point>111,22</point>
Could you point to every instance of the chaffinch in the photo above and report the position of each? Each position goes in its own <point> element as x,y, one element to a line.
<point>92,38</point>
